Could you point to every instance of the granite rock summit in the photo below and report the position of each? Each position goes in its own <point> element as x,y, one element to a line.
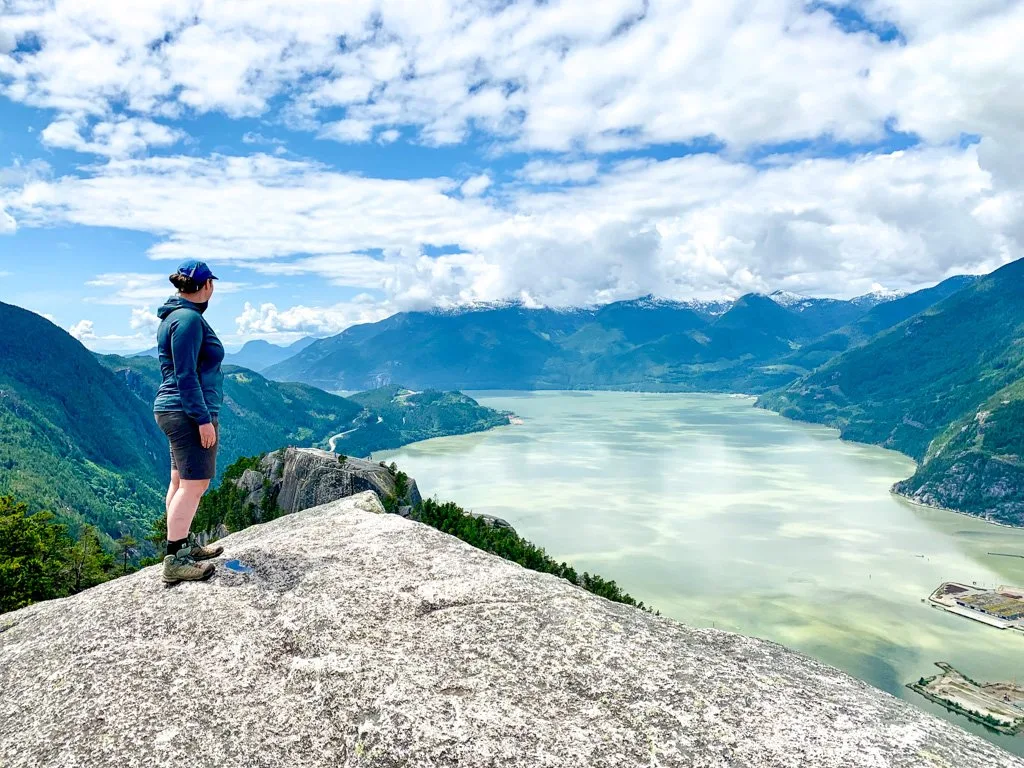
<point>300,478</point>
<point>362,639</point>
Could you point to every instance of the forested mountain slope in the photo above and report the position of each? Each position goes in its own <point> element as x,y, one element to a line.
<point>952,372</point>
<point>73,439</point>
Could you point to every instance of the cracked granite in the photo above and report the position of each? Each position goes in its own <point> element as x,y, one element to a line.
<point>363,639</point>
<point>306,477</point>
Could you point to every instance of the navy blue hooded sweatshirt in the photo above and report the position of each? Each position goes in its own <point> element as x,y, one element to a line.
<point>190,358</point>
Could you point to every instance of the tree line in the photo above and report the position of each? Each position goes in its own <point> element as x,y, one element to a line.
<point>41,560</point>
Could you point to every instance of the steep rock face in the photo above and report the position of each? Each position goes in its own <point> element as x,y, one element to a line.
<point>300,478</point>
<point>972,482</point>
<point>362,639</point>
<point>977,465</point>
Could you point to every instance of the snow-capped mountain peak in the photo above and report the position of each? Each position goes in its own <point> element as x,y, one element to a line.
<point>788,298</point>
<point>878,296</point>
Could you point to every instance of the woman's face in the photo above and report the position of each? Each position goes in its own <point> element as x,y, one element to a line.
<point>203,294</point>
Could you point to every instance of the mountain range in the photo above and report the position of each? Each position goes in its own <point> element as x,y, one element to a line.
<point>935,374</point>
<point>751,345</point>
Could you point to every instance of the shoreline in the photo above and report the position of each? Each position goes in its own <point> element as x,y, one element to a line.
<point>892,489</point>
<point>1012,728</point>
<point>978,518</point>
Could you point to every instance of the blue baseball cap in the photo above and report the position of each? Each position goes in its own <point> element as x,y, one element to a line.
<point>197,270</point>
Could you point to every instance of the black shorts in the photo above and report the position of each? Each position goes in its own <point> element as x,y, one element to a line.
<point>188,456</point>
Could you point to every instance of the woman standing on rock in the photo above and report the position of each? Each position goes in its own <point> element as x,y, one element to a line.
<point>186,409</point>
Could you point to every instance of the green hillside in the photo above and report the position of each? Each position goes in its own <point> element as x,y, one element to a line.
<point>395,417</point>
<point>878,319</point>
<point>73,439</point>
<point>977,464</point>
<point>258,415</point>
<point>919,380</point>
<point>261,415</point>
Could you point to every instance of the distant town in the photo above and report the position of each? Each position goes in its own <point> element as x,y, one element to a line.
<point>1002,608</point>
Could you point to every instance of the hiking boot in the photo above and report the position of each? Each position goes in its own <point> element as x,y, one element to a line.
<point>199,552</point>
<point>183,567</point>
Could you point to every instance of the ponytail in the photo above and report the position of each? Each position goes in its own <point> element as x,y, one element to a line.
<point>185,284</point>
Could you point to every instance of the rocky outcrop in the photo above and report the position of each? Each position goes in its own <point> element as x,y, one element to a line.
<point>971,482</point>
<point>300,478</point>
<point>362,639</point>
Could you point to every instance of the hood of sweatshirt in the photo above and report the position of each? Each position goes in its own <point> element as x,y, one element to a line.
<point>176,302</point>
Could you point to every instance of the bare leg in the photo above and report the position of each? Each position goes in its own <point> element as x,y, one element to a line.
<point>172,489</point>
<point>182,507</point>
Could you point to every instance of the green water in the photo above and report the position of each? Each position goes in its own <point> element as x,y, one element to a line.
<point>720,514</point>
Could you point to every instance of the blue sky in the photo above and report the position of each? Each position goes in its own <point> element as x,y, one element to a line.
<point>337,168</point>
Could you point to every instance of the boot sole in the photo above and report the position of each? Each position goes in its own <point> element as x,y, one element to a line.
<point>205,577</point>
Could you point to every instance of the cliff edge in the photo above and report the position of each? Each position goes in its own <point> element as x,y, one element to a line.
<point>364,639</point>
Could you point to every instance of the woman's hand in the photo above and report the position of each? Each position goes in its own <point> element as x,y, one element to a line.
<point>207,435</point>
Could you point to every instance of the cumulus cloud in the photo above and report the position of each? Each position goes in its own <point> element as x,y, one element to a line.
<point>83,330</point>
<point>130,288</point>
<point>691,226</point>
<point>118,138</point>
<point>556,76</point>
<point>268,320</point>
<point>143,320</point>
<point>255,137</point>
<point>8,224</point>
<point>475,185</point>
<point>141,289</point>
<point>547,172</point>
<point>21,172</point>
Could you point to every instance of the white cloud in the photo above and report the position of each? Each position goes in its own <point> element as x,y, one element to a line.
<point>21,172</point>
<point>8,224</point>
<point>698,225</point>
<point>389,136</point>
<point>143,320</point>
<point>141,289</point>
<point>118,138</point>
<point>546,172</point>
<point>555,76</point>
<point>257,207</point>
<point>347,131</point>
<point>131,288</point>
<point>475,185</point>
<point>254,137</point>
<point>83,330</point>
<point>268,320</point>
<point>343,269</point>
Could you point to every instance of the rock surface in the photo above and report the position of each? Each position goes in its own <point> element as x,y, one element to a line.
<point>363,639</point>
<point>306,477</point>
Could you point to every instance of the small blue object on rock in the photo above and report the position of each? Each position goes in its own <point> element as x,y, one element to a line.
<point>237,567</point>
